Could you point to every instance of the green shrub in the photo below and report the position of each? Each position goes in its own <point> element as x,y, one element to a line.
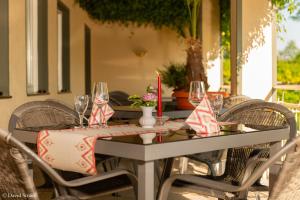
<point>175,76</point>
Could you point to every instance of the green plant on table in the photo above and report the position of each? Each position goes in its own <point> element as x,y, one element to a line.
<point>149,99</point>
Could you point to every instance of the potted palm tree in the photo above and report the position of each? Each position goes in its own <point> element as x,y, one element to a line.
<point>178,76</point>
<point>195,67</point>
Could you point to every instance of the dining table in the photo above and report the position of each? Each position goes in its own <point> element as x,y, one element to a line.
<point>176,143</point>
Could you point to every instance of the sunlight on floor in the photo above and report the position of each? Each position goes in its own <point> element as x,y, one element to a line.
<point>193,196</point>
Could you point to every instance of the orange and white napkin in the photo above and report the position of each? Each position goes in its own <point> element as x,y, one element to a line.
<point>202,119</point>
<point>98,113</point>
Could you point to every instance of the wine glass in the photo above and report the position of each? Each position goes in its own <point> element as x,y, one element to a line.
<point>81,104</point>
<point>101,97</point>
<point>216,101</point>
<point>197,92</point>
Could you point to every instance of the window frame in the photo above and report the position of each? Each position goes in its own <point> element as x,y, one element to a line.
<point>37,47</point>
<point>4,50</point>
<point>63,65</point>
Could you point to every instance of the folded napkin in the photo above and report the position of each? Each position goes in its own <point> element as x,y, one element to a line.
<point>202,119</point>
<point>102,113</point>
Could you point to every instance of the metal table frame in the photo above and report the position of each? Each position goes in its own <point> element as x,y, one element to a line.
<point>147,154</point>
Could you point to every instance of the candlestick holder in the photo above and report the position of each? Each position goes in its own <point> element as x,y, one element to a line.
<point>161,120</point>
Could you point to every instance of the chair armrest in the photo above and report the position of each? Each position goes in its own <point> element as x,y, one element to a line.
<point>252,163</point>
<point>102,176</point>
<point>261,169</point>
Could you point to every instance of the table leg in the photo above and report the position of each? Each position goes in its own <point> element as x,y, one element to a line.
<point>146,180</point>
<point>274,169</point>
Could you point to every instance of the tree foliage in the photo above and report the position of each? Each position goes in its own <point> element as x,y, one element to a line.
<point>289,52</point>
<point>174,14</point>
<point>293,8</point>
<point>225,25</point>
<point>158,13</point>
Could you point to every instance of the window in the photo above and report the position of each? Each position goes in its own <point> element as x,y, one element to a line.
<point>87,57</point>
<point>37,46</point>
<point>63,43</point>
<point>4,62</point>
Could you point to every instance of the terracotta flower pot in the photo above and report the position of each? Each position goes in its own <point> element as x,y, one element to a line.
<point>225,94</point>
<point>182,101</point>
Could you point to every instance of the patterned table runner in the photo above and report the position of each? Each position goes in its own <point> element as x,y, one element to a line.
<point>74,149</point>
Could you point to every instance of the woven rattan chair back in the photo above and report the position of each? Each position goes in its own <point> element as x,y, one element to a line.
<point>119,98</point>
<point>234,100</point>
<point>259,115</point>
<point>42,113</point>
<point>15,180</point>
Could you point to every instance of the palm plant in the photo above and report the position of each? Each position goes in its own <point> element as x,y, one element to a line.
<point>195,67</point>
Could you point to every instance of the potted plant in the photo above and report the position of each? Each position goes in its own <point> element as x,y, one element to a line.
<point>175,76</point>
<point>196,70</point>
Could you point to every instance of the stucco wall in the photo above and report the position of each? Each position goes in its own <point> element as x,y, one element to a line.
<point>257,47</point>
<point>113,57</point>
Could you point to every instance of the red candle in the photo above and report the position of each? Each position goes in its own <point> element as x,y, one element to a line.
<point>159,99</point>
<point>159,138</point>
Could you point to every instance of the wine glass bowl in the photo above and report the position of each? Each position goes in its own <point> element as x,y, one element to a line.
<point>216,102</point>
<point>101,98</point>
<point>196,93</point>
<point>100,93</point>
<point>81,103</point>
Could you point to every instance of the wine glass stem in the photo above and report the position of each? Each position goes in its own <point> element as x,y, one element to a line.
<point>81,120</point>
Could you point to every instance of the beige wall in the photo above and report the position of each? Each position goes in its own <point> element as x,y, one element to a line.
<point>113,57</point>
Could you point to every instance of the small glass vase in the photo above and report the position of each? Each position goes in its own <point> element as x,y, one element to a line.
<point>147,120</point>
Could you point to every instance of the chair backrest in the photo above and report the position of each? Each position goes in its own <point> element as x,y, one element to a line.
<point>14,174</point>
<point>234,100</point>
<point>119,98</point>
<point>259,115</point>
<point>42,113</point>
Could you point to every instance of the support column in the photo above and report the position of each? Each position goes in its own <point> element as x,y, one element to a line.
<point>258,59</point>
<point>235,45</point>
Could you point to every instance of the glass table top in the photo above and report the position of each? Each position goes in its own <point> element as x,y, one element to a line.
<point>188,134</point>
<point>185,133</point>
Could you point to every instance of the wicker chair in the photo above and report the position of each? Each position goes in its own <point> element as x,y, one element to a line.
<point>259,115</point>
<point>234,100</point>
<point>119,98</point>
<point>42,114</point>
<point>214,157</point>
<point>15,178</point>
<point>285,188</point>
<point>52,114</point>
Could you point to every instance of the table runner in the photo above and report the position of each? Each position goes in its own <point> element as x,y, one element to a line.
<point>74,149</point>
